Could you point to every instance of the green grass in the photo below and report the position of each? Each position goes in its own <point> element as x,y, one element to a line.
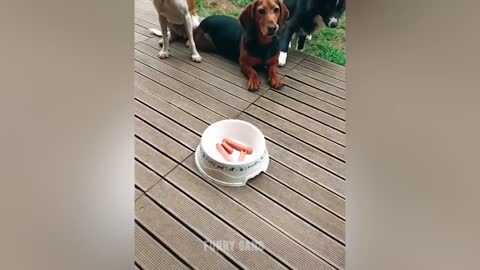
<point>241,3</point>
<point>328,44</point>
<point>200,8</point>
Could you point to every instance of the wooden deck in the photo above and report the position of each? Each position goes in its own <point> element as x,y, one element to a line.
<point>295,211</point>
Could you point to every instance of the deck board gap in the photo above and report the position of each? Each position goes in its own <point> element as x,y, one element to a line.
<point>189,228</point>
<point>153,236</point>
<point>228,223</point>
<point>293,77</point>
<point>170,103</point>
<point>297,215</point>
<point>183,83</point>
<point>192,100</point>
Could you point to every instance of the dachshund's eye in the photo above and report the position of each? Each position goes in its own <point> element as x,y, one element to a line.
<point>276,10</point>
<point>261,11</point>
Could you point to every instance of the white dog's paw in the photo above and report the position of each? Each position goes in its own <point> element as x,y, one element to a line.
<point>196,58</point>
<point>163,54</point>
<point>187,44</point>
<point>309,37</point>
<point>282,59</point>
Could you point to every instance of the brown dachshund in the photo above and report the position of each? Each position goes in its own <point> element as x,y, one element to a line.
<point>253,40</point>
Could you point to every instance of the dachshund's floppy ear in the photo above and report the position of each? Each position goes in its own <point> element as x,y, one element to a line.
<point>247,17</point>
<point>284,13</point>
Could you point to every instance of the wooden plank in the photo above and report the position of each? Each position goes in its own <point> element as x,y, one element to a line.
<point>307,169</point>
<point>146,15</point>
<point>148,19</point>
<point>315,93</point>
<point>321,77</point>
<point>296,124</point>
<point>151,255</point>
<point>302,116</point>
<point>309,237</point>
<point>167,126</point>
<point>146,24</point>
<point>210,227</point>
<point>238,80</point>
<point>153,159</point>
<point>138,193</point>
<point>317,84</point>
<point>297,204</point>
<point>172,112</point>
<point>144,178</point>
<point>296,53</point>
<point>217,109</point>
<point>179,239</point>
<point>227,92</point>
<point>325,63</point>
<point>301,120</point>
<point>138,37</point>
<point>182,102</point>
<point>189,86</point>
<point>142,31</point>
<point>313,102</point>
<point>327,71</point>
<point>161,141</point>
<point>277,243</point>
<point>323,158</point>
<point>294,58</point>
<point>307,188</point>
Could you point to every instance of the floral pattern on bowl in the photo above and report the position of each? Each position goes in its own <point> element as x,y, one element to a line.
<point>211,163</point>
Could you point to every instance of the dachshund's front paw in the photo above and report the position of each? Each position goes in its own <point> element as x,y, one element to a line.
<point>275,82</point>
<point>253,84</point>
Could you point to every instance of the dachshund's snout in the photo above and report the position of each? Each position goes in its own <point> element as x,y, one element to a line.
<point>272,29</point>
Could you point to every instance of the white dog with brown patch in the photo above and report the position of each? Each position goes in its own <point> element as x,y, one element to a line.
<point>180,18</point>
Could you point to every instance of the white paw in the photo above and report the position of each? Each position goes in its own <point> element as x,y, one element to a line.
<point>282,59</point>
<point>163,54</point>
<point>309,37</point>
<point>196,58</point>
<point>187,44</point>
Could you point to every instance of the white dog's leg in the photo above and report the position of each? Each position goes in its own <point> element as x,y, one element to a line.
<point>164,52</point>
<point>158,33</point>
<point>282,59</point>
<point>189,27</point>
<point>195,21</point>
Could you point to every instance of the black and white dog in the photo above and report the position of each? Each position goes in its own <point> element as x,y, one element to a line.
<point>307,16</point>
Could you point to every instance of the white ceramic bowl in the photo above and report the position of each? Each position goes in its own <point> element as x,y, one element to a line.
<point>214,167</point>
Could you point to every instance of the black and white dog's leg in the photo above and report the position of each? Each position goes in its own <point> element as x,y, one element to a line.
<point>284,43</point>
<point>189,27</point>
<point>301,42</point>
<point>164,51</point>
